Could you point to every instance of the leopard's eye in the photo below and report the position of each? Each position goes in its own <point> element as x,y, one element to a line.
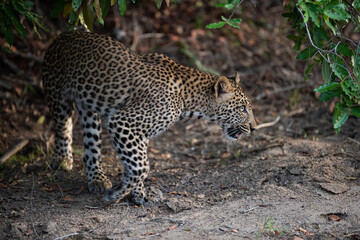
<point>243,109</point>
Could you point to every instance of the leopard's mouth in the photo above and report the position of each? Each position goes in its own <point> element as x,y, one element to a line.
<point>235,133</point>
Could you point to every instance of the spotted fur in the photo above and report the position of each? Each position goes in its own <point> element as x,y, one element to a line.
<point>139,96</point>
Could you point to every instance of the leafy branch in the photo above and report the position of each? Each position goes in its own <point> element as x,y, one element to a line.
<point>233,22</point>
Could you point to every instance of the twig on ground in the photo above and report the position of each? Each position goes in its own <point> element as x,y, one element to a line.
<point>353,140</point>
<point>250,209</point>
<point>238,229</point>
<point>67,235</point>
<point>14,150</point>
<point>268,124</point>
<point>169,219</point>
<point>257,206</point>
<point>107,205</point>
<point>62,194</point>
<point>293,131</point>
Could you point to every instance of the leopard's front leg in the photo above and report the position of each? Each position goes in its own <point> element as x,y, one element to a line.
<point>132,149</point>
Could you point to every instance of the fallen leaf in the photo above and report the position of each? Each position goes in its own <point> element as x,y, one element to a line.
<point>68,198</point>
<point>154,150</point>
<point>351,178</point>
<point>153,179</point>
<point>297,238</point>
<point>234,230</point>
<point>29,232</point>
<point>41,119</point>
<point>335,217</point>
<point>46,189</point>
<point>304,231</point>
<point>2,185</point>
<point>172,227</point>
<point>225,155</point>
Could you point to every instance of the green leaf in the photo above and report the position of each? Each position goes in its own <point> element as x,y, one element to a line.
<point>105,6</point>
<point>292,37</point>
<point>355,60</point>
<point>337,12</point>
<point>355,111</point>
<point>298,42</point>
<point>326,87</point>
<point>341,119</point>
<point>356,4</point>
<point>305,10</point>
<point>158,3</point>
<point>327,95</point>
<point>228,6</point>
<point>15,21</point>
<point>326,71</point>
<point>314,12</point>
<point>88,15</point>
<point>236,20</point>
<point>233,25</point>
<point>307,53</point>
<point>215,25</point>
<point>342,107</point>
<point>58,8</point>
<point>320,36</point>
<point>98,12</point>
<point>343,49</point>
<point>351,89</point>
<point>224,18</point>
<point>308,70</point>
<point>122,6</point>
<point>76,4</point>
<point>332,27</point>
<point>338,67</point>
<point>339,70</point>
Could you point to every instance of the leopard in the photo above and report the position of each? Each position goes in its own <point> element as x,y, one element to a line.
<point>137,97</point>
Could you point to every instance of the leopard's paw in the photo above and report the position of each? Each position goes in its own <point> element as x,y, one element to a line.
<point>99,185</point>
<point>65,163</point>
<point>154,195</point>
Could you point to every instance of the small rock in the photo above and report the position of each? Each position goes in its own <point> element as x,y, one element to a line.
<point>178,205</point>
<point>98,219</point>
<point>50,227</point>
<point>335,188</point>
<point>172,204</point>
<point>201,195</point>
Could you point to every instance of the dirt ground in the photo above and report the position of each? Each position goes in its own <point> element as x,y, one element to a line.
<point>294,180</point>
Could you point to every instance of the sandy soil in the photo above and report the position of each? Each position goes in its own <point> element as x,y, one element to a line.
<point>295,180</point>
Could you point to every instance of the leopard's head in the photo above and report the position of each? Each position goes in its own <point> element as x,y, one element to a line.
<point>231,108</point>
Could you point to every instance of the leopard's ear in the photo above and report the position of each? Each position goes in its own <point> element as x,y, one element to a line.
<point>223,89</point>
<point>237,78</point>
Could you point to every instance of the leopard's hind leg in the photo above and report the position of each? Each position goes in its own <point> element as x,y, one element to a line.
<point>62,112</point>
<point>91,125</point>
<point>132,149</point>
